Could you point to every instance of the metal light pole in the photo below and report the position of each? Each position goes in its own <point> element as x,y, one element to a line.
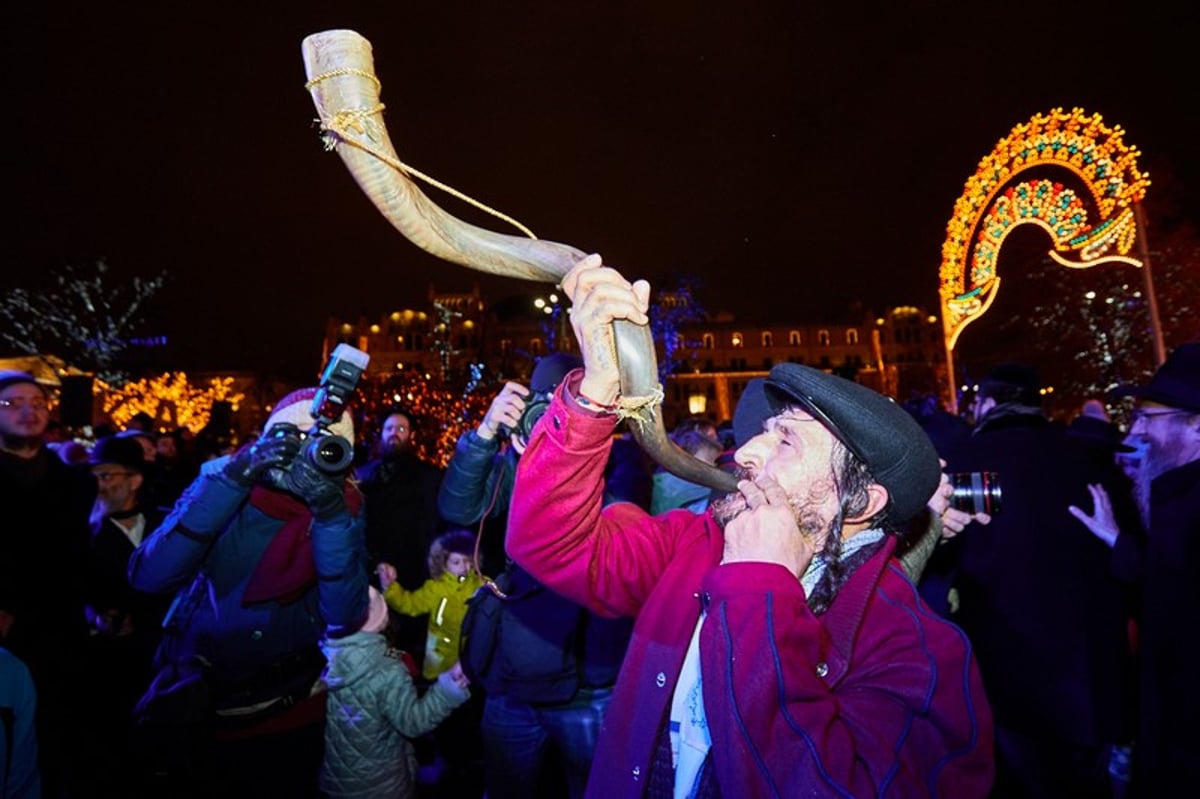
<point>1160,350</point>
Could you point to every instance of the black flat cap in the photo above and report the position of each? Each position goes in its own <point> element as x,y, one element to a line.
<point>874,427</point>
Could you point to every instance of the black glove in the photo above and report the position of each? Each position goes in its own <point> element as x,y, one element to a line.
<point>275,448</point>
<point>323,492</point>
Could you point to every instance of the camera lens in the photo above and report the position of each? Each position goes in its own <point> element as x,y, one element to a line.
<point>535,408</point>
<point>976,492</point>
<point>331,454</point>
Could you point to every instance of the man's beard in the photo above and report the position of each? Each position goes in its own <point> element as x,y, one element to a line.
<point>813,523</point>
<point>394,449</point>
<point>1160,457</point>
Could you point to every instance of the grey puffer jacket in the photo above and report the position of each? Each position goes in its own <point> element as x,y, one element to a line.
<point>373,710</point>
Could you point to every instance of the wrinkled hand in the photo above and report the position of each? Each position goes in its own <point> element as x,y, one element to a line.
<point>504,411</point>
<point>323,493</point>
<point>599,295</point>
<point>767,531</point>
<point>1102,522</point>
<point>275,448</point>
<point>387,575</point>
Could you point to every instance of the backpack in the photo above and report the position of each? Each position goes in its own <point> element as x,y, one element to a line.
<point>520,639</point>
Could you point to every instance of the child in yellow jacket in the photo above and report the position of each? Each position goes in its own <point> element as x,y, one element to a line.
<point>443,596</point>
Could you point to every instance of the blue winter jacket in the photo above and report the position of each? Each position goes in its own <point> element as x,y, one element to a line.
<point>214,533</point>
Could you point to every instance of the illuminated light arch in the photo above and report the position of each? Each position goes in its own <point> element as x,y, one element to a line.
<point>1053,171</point>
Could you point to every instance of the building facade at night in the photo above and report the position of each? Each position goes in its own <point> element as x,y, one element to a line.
<point>898,352</point>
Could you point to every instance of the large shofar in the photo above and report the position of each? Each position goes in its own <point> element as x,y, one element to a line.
<point>341,76</point>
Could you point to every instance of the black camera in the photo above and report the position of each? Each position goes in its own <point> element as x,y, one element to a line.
<point>976,492</point>
<point>535,408</point>
<point>330,453</point>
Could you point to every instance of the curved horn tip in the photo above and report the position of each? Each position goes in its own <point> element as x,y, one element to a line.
<point>332,34</point>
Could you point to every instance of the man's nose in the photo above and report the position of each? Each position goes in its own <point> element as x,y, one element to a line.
<point>750,455</point>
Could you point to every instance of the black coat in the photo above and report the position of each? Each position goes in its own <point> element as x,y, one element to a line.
<point>1167,563</point>
<point>43,554</point>
<point>401,513</point>
<point>1047,618</point>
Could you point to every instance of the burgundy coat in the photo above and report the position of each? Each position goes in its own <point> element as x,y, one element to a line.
<point>878,696</point>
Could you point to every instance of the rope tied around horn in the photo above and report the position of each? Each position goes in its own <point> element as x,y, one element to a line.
<point>640,410</point>
<point>340,127</point>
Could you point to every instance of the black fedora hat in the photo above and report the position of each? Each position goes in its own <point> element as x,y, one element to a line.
<point>1176,383</point>
<point>119,451</point>
<point>874,427</point>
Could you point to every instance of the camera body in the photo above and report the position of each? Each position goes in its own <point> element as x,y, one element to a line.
<point>327,451</point>
<point>976,492</point>
<point>535,408</point>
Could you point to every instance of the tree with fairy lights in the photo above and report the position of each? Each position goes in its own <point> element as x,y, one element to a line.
<point>441,409</point>
<point>83,318</point>
<point>169,399</point>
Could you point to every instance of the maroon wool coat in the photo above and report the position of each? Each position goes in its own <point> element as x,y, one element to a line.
<point>879,696</point>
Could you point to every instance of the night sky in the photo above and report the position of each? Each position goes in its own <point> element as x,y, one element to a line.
<point>794,156</point>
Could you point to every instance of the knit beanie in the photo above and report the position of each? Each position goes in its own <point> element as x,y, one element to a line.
<point>296,408</point>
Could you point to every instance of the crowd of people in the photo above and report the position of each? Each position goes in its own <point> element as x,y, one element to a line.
<point>549,615</point>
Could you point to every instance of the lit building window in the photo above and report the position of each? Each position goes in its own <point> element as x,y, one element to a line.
<point>767,339</point>
<point>852,336</point>
<point>535,346</point>
<point>709,341</point>
<point>794,339</point>
<point>823,338</point>
<point>736,339</point>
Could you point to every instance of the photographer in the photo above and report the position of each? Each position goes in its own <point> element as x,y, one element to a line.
<point>265,553</point>
<point>546,665</point>
<point>1036,597</point>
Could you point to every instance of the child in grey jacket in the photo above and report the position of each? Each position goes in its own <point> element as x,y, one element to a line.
<point>374,712</point>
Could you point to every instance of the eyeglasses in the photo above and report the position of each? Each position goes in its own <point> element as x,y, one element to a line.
<point>104,477</point>
<point>1138,416</point>
<point>17,403</point>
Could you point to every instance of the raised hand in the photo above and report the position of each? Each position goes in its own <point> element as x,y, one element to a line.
<point>504,411</point>
<point>599,295</point>
<point>275,448</point>
<point>323,493</point>
<point>1102,521</point>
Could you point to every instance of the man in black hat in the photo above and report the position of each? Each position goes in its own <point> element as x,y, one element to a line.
<point>120,521</point>
<point>1164,563</point>
<point>126,623</point>
<point>1034,586</point>
<point>778,648</point>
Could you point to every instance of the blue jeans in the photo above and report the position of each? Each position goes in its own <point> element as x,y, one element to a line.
<point>518,738</point>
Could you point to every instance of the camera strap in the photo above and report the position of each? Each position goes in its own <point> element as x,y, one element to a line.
<point>488,581</point>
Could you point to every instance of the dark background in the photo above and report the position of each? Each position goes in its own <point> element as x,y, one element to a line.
<point>795,156</point>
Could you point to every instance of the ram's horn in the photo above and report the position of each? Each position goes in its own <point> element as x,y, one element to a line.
<point>341,77</point>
